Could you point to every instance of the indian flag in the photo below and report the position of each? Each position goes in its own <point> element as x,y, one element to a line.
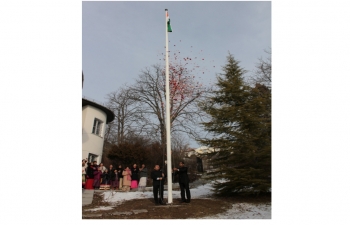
<point>168,22</point>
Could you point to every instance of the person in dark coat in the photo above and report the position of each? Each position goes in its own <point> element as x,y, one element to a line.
<point>105,177</point>
<point>95,164</point>
<point>134,176</point>
<point>164,180</point>
<point>90,171</point>
<point>158,178</point>
<point>183,182</point>
<point>89,176</point>
<point>120,176</point>
<point>113,178</point>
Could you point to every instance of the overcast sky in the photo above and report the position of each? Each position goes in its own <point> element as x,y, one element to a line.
<point>119,39</point>
<point>40,89</point>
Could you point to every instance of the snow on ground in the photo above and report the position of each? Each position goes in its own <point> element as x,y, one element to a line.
<point>117,197</point>
<point>245,211</point>
<point>238,210</point>
<point>100,208</point>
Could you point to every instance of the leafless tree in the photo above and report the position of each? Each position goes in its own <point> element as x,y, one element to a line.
<point>124,106</point>
<point>179,142</point>
<point>149,92</point>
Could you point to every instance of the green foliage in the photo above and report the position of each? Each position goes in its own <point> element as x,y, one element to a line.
<point>241,127</point>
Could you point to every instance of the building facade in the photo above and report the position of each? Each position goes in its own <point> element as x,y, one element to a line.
<point>95,118</point>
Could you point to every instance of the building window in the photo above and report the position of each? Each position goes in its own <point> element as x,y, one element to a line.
<point>97,128</point>
<point>92,157</point>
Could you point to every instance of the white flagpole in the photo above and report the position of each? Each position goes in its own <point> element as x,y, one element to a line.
<point>168,138</point>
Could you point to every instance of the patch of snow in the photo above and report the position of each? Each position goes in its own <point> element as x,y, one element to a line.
<point>100,208</point>
<point>245,211</point>
<point>202,191</point>
<point>118,197</point>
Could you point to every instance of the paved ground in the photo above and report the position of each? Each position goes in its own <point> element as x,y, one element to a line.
<point>87,196</point>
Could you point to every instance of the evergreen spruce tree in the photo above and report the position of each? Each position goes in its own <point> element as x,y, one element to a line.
<point>240,123</point>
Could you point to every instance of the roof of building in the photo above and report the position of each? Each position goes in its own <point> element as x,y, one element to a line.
<point>109,113</point>
<point>203,150</point>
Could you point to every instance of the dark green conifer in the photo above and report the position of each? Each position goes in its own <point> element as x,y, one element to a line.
<point>240,124</point>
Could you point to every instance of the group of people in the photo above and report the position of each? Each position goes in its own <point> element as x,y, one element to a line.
<point>99,177</point>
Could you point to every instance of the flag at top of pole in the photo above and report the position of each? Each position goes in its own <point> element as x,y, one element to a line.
<point>168,21</point>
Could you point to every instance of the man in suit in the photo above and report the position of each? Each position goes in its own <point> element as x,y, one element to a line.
<point>158,185</point>
<point>183,182</point>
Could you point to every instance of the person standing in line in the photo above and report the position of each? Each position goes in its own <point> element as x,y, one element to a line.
<point>89,176</point>
<point>102,168</point>
<point>83,173</point>
<point>183,182</point>
<point>111,168</point>
<point>104,185</point>
<point>143,178</point>
<point>126,179</point>
<point>85,165</point>
<point>116,182</point>
<point>90,171</point>
<point>97,178</point>
<point>112,177</point>
<point>157,177</point>
<point>134,176</point>
<point>120,176</point>
<point>94,163</point>
<point>164,180</point>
